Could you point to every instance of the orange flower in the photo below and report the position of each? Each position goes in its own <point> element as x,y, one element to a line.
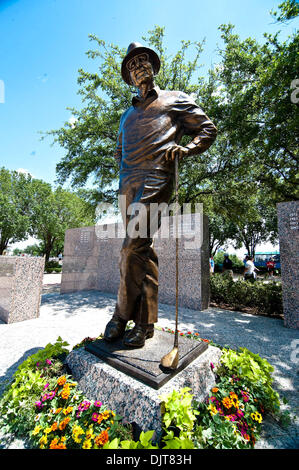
<point>227,402</point>
<point>65,392</point>
<point>102,438</point>
<point>100,418</point>
<point>58,411</point>
<point>64,423</point>
<point>55,445</point>
<point>215,390</point>
<point>54,426</point>
<point>61,380</point>
<point>246,437</point>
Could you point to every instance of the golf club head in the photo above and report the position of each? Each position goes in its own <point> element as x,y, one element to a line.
<point>171,360</point>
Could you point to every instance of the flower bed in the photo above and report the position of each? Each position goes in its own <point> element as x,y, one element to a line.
<point>44,404</point>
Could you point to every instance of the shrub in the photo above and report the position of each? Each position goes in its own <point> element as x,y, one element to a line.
<point>238,265</point>
<point>265,297</point>
<point>52,264</point>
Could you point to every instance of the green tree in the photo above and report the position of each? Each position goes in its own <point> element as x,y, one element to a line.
<point>15,197</point>
<point>53,212</point>
<point>289,9</point>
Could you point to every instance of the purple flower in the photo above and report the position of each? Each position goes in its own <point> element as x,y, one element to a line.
<point>51,395</point>
<point>98,404</point>
<point>38,404</point>
<point>46,386</point>
<point>84,405</point>
<point>48,362</point>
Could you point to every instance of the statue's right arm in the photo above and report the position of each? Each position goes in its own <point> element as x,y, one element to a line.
<point>118,151</point>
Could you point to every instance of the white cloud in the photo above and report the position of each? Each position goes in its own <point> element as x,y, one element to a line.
<point>25,172</point>
<point>72,121</point>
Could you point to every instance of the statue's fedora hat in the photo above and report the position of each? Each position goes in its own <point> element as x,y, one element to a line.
<point>134,49</point>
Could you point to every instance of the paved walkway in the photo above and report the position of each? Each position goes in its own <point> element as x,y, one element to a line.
<point>77,315</point>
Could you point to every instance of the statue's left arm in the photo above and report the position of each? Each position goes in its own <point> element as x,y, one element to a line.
<point>194,122</point>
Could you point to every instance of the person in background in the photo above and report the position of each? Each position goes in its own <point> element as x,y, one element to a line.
<point>212,265</point>
<point>227,265</point>
<point>249,273</point>
<point>245,259</point>
<point>270,266</point>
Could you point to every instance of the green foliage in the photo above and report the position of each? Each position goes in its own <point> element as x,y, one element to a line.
<point>255,372</point>
<point>52,264</point>
<point>219,258</point>
<point>216,433</point>
<point>289,9</point>
<point>53,212</point>
<point>15,200</point>
<point>177,413</point>
<point>266,298</point>
<point>16,408</point>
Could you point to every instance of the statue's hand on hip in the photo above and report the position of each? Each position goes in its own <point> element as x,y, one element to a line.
<point>175,150</point>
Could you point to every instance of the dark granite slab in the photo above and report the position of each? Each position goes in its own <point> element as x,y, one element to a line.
<point>144,363</point>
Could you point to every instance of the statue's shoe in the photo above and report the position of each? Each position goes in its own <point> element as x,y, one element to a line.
<point>115,329</point>
<point>135,338</point>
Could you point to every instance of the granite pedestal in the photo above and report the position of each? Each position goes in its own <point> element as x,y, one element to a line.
<point>288,227</point>
<point>144,363</point>
<point>21,280</point>
<point>135,401</point>
<point>91,260</point>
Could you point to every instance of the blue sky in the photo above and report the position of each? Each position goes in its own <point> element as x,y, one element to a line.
<point>43,44</point>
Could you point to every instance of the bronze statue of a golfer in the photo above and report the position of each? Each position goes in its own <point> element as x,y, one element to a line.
<point>148,142</point>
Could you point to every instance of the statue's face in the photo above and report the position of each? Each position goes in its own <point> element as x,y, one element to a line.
<point>141,69</point>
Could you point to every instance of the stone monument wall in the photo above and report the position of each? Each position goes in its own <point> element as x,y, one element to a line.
<point>288,227</point>
<point>91,260</point>
<point>21,280</point>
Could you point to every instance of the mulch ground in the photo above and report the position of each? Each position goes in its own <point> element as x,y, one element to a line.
<point>251,310</point>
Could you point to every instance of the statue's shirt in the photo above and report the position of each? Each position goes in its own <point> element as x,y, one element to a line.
<point>151,126</point>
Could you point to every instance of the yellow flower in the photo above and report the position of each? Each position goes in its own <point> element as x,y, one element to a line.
<point>213,410</point>
<point>257,416</point>
<point>36,430</point>
<point>48,430</point>
<point>89,434</point>
<point>43,440</point>
<point>67,410</point>
<point>106,414</point>
<point>86,444</point>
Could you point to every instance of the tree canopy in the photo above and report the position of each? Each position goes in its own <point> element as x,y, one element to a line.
<point>246,94</point>
<point>30,207</point>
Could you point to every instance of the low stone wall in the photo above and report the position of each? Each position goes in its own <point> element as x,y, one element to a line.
<point>91,260</point>
<point>21,280</point>
<point>288,227</point>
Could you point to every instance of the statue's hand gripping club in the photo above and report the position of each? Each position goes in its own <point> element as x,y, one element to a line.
<point>175,150</point>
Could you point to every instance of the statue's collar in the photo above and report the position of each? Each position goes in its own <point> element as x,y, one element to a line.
<point>153,92</point>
